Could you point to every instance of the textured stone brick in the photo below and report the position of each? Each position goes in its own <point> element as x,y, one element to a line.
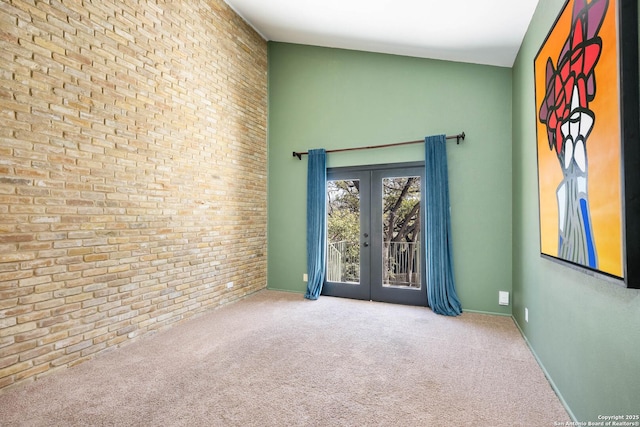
<point>132,172</point>
<point>32,372</point>
<point>15,368</point>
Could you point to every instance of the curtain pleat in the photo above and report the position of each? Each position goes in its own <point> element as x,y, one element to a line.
<point>441,291</point>
<point>316,222</point>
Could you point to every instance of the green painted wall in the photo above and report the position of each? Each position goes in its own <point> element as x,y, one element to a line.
<point>585,331</point>
<point>333,98</point>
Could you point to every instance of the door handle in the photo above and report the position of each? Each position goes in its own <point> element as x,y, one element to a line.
<point>365,244</point>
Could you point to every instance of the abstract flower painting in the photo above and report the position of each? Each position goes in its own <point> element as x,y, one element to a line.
<point>578,138</point>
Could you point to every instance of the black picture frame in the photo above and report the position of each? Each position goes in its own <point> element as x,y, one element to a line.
<point>626,12</point>
<point>630,127</point>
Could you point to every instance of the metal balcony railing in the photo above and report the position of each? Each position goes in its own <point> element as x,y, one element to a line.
<point>343,262</point>
<point>401,263</point>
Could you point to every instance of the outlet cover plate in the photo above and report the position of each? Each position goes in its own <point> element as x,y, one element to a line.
<point>503,298</point>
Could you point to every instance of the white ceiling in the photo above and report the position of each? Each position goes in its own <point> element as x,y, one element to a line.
<point>477,31</point>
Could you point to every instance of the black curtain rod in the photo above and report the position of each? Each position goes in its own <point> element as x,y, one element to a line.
<point>457,137</point>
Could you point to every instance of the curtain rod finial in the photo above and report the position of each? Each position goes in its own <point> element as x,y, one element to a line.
<point>298,155</point>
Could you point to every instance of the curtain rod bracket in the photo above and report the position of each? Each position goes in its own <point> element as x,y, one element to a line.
<point>458,137</point>
<point>298,155</point>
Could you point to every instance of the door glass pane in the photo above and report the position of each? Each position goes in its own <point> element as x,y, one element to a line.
<point>343,231</point>
<point>401,232</point>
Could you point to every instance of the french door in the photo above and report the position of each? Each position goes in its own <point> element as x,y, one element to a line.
<point>375,234</point>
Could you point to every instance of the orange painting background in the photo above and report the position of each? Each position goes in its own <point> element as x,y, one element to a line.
<point>603,148</point>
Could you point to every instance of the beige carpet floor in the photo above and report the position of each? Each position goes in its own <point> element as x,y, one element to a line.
<point>275,359</point>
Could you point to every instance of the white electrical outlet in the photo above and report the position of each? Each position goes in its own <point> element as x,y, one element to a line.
<point>305,277</point>
<point>503,298</point>
<point>229,285</point>
<point>526,314</point>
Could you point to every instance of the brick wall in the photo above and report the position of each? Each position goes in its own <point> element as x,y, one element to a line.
<point>132,172</point>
